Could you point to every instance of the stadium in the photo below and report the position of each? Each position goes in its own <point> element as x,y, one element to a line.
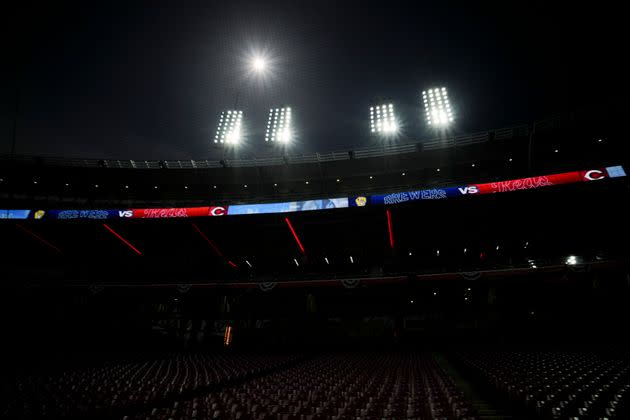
<point>422,266</point>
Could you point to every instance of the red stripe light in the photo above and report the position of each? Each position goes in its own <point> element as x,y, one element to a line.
<point>212,245</point>
<point>203,235</point>
<point>286,219</point>
<point>39,238</point>
<point>389,228</point>
<point>126,242</point>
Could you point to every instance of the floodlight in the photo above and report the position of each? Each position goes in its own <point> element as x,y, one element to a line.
<point>571,260</point>
<point>279,125</point>
<point>437,107</point>
<point>259,64</point>
<point>229,129</point>
<point>383,120</point>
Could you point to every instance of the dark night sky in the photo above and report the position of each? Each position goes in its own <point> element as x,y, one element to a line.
<point>148,79</point>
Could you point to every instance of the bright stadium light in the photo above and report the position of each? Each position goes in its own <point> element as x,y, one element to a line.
<point>259,64</point>
<point>383,120</point>
<point>279,126</point>
<point>571,260</point>
<point>437,107</point>
<point>229,129</point>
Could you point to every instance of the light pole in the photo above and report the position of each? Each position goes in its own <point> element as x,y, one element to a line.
<point>257,67</point>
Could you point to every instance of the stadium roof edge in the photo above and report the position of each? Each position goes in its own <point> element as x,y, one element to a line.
<point>316,157</point>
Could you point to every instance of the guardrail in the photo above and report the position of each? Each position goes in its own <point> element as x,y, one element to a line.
<point>373,152</point>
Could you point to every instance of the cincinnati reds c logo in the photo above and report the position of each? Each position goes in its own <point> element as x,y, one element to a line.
<point>217,211</point>
<point>594,175</point>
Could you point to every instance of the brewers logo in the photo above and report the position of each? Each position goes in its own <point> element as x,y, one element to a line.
<point>39,214</point>
<point>360,201</point>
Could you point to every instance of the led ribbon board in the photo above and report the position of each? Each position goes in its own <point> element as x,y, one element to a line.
<point>14,214</point>
<point>325,204</point>
<point>163,213</point>
<point>492,187</point>
<point>178,212</point>
<point>77,214</point>
<point>288,207</point>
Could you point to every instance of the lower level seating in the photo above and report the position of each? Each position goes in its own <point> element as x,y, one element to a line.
<point>334,386</point>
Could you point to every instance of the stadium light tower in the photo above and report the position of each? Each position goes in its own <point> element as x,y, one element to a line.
<point>279,128</point>
<point>257,65</point>
<point>437,107</point>
<point>229,129</point>
<point>383,120</point>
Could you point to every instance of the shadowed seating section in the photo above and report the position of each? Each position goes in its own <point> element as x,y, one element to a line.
<point>558,384</point>
<point>335,386</point>
<point>118,385</point>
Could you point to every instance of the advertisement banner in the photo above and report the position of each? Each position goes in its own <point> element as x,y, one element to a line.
<point>528,183</point>
<point>76,214</point>
<point>288,207</point>
<point>490,187</point>
<point>14,214</point>
<point>535,182</point>
<point>403,197</point>
<point>176,212</point>
<point>615,171</point>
